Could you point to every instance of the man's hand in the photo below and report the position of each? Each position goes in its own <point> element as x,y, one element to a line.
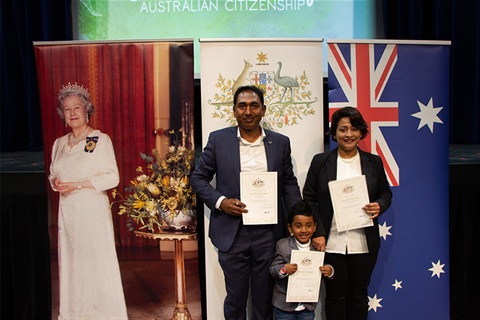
<point>233,207</point>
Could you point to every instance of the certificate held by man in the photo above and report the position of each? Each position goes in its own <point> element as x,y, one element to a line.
<point>304,284</point>
<point>349,196</point>
<point>258,190</point>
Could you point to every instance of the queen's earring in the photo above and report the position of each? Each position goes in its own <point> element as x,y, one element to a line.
<point>87,118</point>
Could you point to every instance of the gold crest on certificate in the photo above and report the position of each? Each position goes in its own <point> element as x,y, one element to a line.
<point>349,196</point>
<point>258,190</point>
<point>304,284</point>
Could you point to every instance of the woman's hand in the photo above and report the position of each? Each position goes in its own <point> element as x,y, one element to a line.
<point>59,185</point>
<point>66,188</point>
<point>319,243</point>
<point>326,270</point>
<point>372,209</point>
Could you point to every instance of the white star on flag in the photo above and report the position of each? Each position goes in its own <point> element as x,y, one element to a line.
<point>437,268</point>
<point>427,115</point>
<point>397,285</point>
<point>374,303</point>
<point>384,230</point>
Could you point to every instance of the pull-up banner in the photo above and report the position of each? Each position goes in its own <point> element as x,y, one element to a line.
<point>402,90</point>
<point>289,71</point>
<point>141,91</point>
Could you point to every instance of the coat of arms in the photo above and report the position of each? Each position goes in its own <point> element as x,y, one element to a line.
<point>287,97</point>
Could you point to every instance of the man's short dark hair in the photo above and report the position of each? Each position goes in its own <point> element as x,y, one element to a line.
<point>255,89</point>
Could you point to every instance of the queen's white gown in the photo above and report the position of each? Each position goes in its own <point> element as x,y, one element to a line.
<point>90,281</point>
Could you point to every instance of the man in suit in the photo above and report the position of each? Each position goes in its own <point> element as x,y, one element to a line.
<point>245,251</point>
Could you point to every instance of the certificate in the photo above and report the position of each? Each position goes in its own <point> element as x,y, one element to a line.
<point>258,190</point>
<point>304,284</point>
<point>349,196</point>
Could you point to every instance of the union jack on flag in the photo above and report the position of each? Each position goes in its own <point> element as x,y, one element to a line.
<point>363,80</point>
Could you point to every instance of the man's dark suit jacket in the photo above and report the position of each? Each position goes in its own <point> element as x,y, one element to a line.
<point>323,169</point>
<point>283,252</point>
<point>221,157</point>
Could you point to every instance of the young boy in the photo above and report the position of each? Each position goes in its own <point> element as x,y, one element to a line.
<point>301,225</point>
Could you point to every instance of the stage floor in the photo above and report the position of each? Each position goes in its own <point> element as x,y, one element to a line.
<point>148,284</point>
<point>23,173</point>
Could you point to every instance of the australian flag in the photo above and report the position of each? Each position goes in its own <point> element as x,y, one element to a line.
<point>402,91</point>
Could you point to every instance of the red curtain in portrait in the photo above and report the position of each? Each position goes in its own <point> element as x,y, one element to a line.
<point>130,86</point>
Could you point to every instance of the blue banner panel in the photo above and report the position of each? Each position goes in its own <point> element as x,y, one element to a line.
<point>402,90</point>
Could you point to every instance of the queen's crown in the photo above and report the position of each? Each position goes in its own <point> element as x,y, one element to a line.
<point>74,88</point>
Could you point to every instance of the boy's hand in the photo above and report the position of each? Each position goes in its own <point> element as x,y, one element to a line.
<point>291,268</point>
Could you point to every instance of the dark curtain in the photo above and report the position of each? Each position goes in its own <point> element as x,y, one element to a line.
<point>459,22</point>
<point>464,241</point>
<point>25,260</point>
<point>22,22</point>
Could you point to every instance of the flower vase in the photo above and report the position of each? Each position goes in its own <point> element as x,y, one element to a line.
<point>178,220</point>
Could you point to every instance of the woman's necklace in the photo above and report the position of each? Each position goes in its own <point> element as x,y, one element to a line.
<point>72,140</point>
<point>349,160</point>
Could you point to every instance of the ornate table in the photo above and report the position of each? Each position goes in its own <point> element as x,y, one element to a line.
<point>181,311</point>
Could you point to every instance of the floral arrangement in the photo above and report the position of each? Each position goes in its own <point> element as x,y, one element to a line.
<point>162,190</point>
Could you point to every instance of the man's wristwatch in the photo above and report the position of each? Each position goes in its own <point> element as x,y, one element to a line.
<point>283,270</point>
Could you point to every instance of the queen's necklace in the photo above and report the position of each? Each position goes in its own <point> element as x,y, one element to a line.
<point>72,140</point>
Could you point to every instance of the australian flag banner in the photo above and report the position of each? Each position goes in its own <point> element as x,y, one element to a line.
<point>402,90</point>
